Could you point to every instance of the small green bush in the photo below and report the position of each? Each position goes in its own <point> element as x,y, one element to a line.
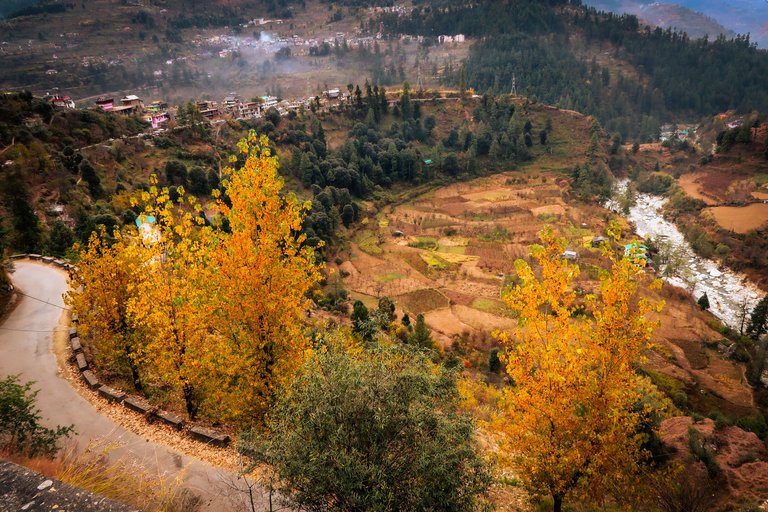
<point>20,428</point>
<point>699,449</point>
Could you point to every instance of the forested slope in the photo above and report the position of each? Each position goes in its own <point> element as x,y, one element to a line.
<point>567,54</point>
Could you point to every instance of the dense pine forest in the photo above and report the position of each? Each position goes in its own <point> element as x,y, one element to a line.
<point>551,49</point>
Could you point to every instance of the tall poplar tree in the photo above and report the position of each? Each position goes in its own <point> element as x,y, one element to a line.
<point>572,421</point>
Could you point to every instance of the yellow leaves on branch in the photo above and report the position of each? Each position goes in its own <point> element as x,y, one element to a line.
<point>215,314</point>
<point>572,421</point>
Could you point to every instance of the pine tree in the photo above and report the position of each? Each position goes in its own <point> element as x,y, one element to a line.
<point>703,301</point>
<point>421,336</point>
<point>758,322</point>
<point>27,233</point>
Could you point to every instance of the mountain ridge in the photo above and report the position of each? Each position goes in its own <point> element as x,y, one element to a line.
<point>735,17</point>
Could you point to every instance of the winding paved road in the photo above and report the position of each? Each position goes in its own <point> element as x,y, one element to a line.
<point>26,348</point>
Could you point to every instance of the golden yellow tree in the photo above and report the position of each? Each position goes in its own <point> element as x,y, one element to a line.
<point>572,419</point>
<point>216,310</point>
<point>168,305</point>
<point>261,275</point>
<point>99,293</point>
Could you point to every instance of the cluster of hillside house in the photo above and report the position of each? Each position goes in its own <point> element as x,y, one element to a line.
<point>681,132</point>
<point>156,113</point>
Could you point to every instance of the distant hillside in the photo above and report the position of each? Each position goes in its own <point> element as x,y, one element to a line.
<point>632,77</point>
<point>736,16</point>
<point>675,16</point>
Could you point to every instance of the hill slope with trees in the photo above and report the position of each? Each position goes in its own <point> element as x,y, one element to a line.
<point>630,76</point>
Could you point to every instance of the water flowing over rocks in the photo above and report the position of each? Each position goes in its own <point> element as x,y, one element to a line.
<point>730,293</point>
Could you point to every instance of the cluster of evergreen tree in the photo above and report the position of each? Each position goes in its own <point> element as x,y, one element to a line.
<point>406,151</point>
<point>532,42</point>
<point>227,17</point>
<point>18,8</point>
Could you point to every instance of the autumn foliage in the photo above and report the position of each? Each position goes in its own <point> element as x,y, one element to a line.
<point>572,422</point>
<point>210,312</point>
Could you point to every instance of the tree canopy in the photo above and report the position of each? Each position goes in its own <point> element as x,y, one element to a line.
<point>208,310</point>
<point>573,418</point>
<point>376,431</point>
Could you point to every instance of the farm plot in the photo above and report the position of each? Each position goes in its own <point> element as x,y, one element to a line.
<point>448,252</point>
<point>741,219</point>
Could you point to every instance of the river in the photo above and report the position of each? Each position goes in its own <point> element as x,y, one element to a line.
<point>728,291</point>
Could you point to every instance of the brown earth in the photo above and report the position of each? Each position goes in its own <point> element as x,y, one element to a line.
<point>740,455</point>
<point>740,219</point>
<point>457,251</point>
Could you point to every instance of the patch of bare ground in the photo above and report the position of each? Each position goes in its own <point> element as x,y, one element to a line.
<point>691,185</point>
<point>740,219</point>
<point>741,457</point>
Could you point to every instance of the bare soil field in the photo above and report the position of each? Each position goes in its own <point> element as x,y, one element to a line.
<point>740,219</point>
<point>454,253</point>
<point>692,185</point>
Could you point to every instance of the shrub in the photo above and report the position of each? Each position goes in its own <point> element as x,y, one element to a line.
<point>372,431</point>
<point>656,183</point>
<point>721,420</point>
<point>701,451</point>
<point>494,363</point>
<point>20,428</point>
<point>722,249</point>
<point>755,423</point>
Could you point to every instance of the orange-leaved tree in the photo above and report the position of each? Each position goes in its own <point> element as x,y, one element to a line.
<point>108,270</point>
<point>572,422</point>
<point>262,273</point>
<point>168,306</point>
<point>216,311</point>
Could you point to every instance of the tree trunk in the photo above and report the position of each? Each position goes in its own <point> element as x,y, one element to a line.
<point>558,502</point>
<point>190,401</point>
<point>136,378</point>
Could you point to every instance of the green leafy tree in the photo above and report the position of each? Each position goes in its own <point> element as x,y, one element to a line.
<point>176,173</point>
<point>421,336</point>
<point>60,238</point>
<point>758,322</point>
<point>20,428</point>
<point>406,109</point>
<point>615,144</point>
<point>347,215</point>
<point>494,363</point>
<point>359,314</point>
<point>26,226</point>
<point>385,313</point>
<point>362,324</point>
<point>88,173</point>
<point>373,432</point>
<point>703,301</point>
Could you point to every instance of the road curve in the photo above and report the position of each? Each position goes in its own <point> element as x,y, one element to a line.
<point>26,348</point>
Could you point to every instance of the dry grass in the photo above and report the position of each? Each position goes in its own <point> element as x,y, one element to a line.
<point>421,301</point>
<point>95,469</point>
